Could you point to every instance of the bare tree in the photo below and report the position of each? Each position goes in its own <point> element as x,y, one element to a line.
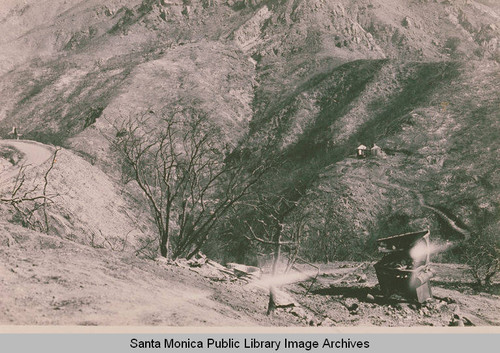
<point>272,224</point>
<point>482,254</point>
<point>178,160</point>
<point>268,227</point>
<point>29,202</point>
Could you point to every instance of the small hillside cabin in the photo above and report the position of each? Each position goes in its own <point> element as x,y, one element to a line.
<point>376,150</point>
<point>362,151</point>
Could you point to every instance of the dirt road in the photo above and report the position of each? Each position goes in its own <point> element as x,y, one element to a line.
<point>34,154</point>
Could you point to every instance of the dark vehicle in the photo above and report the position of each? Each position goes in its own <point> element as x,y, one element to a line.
<point>405,270</point>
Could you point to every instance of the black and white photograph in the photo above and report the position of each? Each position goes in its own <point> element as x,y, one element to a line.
<point>250,163</point>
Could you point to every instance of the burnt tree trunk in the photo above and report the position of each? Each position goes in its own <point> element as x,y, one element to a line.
<point>271,306</point>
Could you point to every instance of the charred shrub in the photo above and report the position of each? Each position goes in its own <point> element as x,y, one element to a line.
<point>482,254</point>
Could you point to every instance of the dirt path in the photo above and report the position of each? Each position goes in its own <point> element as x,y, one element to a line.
<point>34,154</point>
<point>464,232</point>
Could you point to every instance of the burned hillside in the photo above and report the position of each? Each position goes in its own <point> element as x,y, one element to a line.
<point>281,136</point>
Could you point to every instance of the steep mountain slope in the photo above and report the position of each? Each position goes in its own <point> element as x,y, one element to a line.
<point>303,80</point>
<point>66,90</point>
<point>311,78</point>
<point>83,204</point>
<point>299,39</point>
<point>428,118</point>
<point>68,61</point>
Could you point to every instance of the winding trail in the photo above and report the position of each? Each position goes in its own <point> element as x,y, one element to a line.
<point>466,234</point>
<point>35,154</point>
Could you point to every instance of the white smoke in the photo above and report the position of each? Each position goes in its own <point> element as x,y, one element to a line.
<point>420,251</point>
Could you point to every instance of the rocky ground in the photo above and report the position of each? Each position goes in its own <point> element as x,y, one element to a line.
<point>46,280</point>
<point>355,300</point>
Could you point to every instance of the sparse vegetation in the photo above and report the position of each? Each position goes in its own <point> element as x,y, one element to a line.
<point>266,226</point>
<point>178,161</point>
<point>229,128</point>
<point>451,45</point>
<point>482,254</point>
